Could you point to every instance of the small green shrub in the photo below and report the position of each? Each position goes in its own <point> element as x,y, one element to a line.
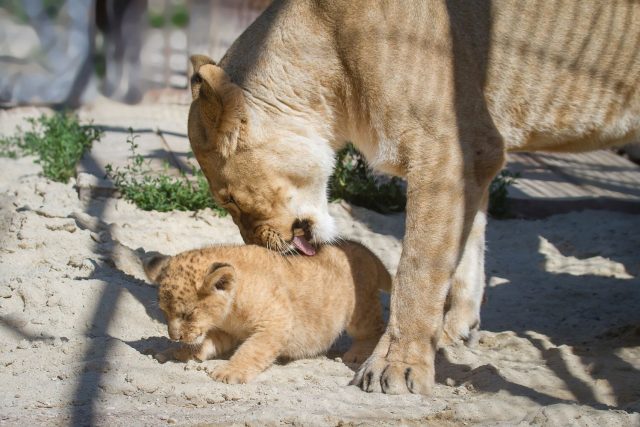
<point>353,181</point>
<point>498,202</point>
<point>8,147</point>
<point>157,191</point>
<point>58,141</point>
<point>180,16</point>
<point>156,20</point>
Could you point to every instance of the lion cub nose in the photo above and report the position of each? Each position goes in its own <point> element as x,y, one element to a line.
<point>175,335</point>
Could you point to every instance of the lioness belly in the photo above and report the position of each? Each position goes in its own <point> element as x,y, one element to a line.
<point>564,76</point>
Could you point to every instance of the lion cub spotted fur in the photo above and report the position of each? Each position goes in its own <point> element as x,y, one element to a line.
<point>273,306</point>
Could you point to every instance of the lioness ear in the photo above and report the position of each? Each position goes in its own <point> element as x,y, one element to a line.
<point>154,265</point>
<point>219,277</point>
<point>222,108</point>
<point>198,61</point>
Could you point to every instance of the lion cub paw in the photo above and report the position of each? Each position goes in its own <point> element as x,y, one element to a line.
<point>182,354</point>
<point>178,354</point>
<point>230,375</point>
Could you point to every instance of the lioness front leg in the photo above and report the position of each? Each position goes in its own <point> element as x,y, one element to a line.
<point>440,211</point>
<point>462,317</point>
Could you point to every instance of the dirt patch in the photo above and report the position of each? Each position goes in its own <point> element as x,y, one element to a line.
<point>560,343</point>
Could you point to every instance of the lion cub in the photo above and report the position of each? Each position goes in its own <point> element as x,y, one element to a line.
<point>272,305</point>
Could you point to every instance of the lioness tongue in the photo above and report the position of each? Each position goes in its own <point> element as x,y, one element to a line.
<point>303,245</point>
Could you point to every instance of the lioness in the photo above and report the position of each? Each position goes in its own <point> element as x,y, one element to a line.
<point>435,91</point>
<point>214,298</point>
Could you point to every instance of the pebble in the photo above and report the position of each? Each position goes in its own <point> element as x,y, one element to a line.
<point>5,291</point>
<point>54,301</point>
<point>96,237</point>
<point>80,262</point>
<point>41,188</point>
<point>88,265</point>
<point>75,261</point>
<point>67,226</point>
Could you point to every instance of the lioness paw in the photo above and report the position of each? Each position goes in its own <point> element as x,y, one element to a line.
<point>460,328</point>
<point>379,375</point>
<point>391,369</point>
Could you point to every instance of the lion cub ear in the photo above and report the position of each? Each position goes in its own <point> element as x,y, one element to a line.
<point>154,265</point>
<point>219,277</point>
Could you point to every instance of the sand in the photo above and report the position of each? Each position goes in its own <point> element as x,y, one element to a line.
<point>560,342</point>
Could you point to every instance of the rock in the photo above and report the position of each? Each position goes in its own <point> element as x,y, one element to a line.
<point>90,187</point>
<point>5,291</point>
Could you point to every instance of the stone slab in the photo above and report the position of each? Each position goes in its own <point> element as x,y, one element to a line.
<point>552,183</point>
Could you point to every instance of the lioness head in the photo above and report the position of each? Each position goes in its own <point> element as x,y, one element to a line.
<point>271,178</point>
<point>192,301</point>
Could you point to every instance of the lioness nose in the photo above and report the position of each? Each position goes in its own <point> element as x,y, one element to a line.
<point>301,228</point>
<point>175,335</point>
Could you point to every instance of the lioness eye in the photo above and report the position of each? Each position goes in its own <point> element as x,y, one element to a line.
<point>230,200</point>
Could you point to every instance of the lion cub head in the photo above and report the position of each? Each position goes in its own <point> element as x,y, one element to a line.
<point>194,298</point>
<point>270,174</point>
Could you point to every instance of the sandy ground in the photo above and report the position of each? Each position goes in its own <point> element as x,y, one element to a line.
<point>560,342</point>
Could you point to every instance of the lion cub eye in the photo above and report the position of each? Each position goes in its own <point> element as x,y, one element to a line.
<point>230,201</point>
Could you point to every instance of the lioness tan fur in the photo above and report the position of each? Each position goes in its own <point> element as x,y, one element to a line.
<point>294,306</point>
<point>436,91</point>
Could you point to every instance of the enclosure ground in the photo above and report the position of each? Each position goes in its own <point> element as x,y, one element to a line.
<point>560,342</point>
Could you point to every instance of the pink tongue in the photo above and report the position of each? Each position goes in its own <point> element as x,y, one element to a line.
<point>303,245</point>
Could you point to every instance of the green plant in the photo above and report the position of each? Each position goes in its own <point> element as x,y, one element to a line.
<point>8,147</point>
<point>156,191</point>
<point>180,16</point>
<point>58,141</point>
<point>353,181</point>
<point>498,202</point>
<point>156,20</point>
